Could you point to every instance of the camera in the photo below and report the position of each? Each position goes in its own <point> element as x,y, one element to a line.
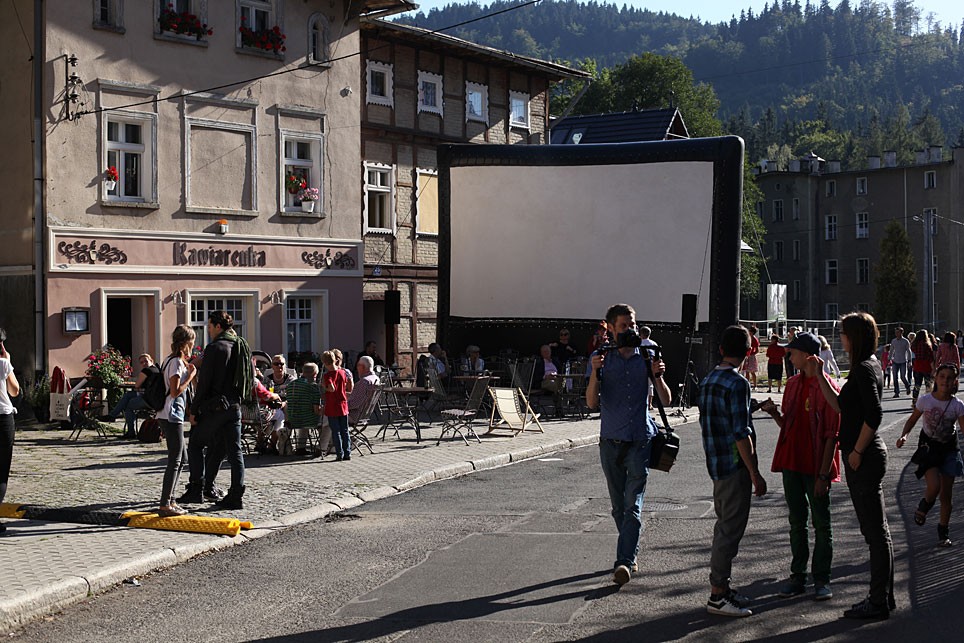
<point>754,405</point>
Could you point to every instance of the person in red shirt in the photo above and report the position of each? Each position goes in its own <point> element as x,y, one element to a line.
<point>775,354</point>
<point>750,364</point>
<point>807,455</point>
<point>337,386</point>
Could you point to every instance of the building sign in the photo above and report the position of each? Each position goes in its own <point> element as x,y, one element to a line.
<point>188,255</point>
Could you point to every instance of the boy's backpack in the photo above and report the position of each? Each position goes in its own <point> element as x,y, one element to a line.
<point>150,431</point>
<point>155,388</point>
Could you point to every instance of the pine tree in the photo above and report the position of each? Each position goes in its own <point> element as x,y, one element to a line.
<point>896,281</point>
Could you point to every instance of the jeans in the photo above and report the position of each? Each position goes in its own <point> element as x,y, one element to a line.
<point>176,457</point>
<point>130,403</point>
<point>7,430</point>
<point>731,501</point>
<point>626,467</point>
<point>339,431</point>
<point>804,505</point>
<point>867,495</point>
<point>900,368</point>
<point>225,437</point>
<point>919,379</point>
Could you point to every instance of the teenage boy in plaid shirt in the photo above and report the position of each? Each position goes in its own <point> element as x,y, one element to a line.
<point>729,441</point>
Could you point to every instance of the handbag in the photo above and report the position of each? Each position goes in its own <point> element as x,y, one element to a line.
<point>664,446</point>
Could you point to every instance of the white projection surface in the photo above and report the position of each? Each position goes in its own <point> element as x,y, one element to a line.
<point>568,241</point>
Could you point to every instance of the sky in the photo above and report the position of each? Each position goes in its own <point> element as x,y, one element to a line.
<point>947,11</point>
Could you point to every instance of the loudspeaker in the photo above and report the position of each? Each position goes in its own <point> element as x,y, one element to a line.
<point>393,307</point>
<point>689,311</point>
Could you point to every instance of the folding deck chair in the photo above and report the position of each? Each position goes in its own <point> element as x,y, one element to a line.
<point>457,420</point>
<point>513,410</point>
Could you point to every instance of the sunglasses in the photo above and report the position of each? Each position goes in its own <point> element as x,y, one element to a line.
<point>277,363</point>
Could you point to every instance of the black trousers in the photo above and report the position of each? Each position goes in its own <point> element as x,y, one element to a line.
<point>7,429</point>
<point>867,495</point>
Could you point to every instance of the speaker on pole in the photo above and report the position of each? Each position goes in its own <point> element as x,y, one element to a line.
<point>689,311</point>
<point>393,307</point>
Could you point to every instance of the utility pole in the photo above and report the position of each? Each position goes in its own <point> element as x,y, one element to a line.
<point>928,221</point>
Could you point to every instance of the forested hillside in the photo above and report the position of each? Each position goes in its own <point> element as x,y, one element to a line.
<point>849,80</point>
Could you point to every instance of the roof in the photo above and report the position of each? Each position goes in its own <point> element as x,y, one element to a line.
<point>464,48</point>
<point>624,127</point>
<point>378,7</point>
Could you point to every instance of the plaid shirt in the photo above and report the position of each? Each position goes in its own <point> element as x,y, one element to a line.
<point>724,403</point>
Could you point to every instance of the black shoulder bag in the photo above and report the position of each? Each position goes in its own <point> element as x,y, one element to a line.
<point>664,446</point>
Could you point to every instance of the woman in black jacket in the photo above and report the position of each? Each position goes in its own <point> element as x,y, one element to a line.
<point>864,455</point>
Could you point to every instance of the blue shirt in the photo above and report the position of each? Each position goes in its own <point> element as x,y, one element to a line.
<point>624,398</point>
<point>724,403</point>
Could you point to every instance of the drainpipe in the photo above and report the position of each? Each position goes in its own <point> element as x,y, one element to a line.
<point>39,270</point>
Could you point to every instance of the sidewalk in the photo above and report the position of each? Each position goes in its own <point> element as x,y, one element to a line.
<point>47,566</point>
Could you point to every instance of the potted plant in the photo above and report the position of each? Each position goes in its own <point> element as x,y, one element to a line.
<point>37,395</point>
<point>107,368</point>
<point>185,23</point>
<point>308,196</point>
<point>295,183</point>
<point>265,39</point>
<point>112,176</point>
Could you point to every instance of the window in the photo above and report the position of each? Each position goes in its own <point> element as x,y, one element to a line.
<point>429,92</point>
<point>109,14</point>
<point>778,250</point>
<point>760,205</point>
<point>931,214</point>
<point>795,292</point>
<point>129,145</point>
<point>831,188</point>
<point>318,39</point>
<point>259,27</point>
<point>833,311</point>
<point>379,198</point>
<point>862,185</point>
<point>299,324</point>
<point>476,102</point>
<point>426,202</point>
<point>830,272</point>
<point>778,209</point>
<point>830,227</point>
<point>930,180</point>
<point>202,308</point>
<point>257,15</point>
<point>302,158</point>
<point>863,271</point>
<point>863,225</point>
<point>518,109</point>
<point>380,84</point>
<point>796,250</point>
<point>796,209</point>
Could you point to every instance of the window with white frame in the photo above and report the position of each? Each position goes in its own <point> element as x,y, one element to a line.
<point>380,84</point>
<point>930,180</point>
<point>795,290</point>
<point>201,308</point>
<point>778,250</point>
<point>796,250</point>
<point>830,272</point>
<point>861,185</point>
<point>318,40</point>
<point>299,324</point>
<point>796,209</point>
<point>863,271</point>
<point>476,102</point>
<point>181,27</point>
<point>260,21</point>
<point>832,310</point>
<point>429,92</point>
<point>426,202</point>
<point>257,15</point>
<point>830,227</point>
<point>518,109</point>
<point>931,214</point>
<point>302,160</point>
<point>778,209</point>
<point>379,198</point>
<point>831,188</point>
<point>129,143</point>
<point>109,14</point>
<point>863,225</point>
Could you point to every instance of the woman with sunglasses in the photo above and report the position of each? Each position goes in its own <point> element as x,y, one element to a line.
<point>938,458</point>
<point>864,454</point>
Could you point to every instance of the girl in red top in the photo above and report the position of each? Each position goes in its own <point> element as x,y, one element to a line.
<point>923,363</point>
<point>775,354</point>
<point>337,386</point>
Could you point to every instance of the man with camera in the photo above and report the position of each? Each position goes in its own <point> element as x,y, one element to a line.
<point>619,387</point>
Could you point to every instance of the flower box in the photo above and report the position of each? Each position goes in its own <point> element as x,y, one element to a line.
<point>184,24</point>
<point>271,40</point>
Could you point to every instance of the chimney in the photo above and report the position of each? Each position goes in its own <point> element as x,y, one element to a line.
<point>873,162</point>
<point>936,153</point>
<point>922,157</point>
<point>890,158</point>
<point>833,167</point>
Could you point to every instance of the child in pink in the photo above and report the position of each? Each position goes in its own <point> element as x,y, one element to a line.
<point>337,386</point>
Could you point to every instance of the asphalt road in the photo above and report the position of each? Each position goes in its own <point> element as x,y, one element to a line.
<point>524,553</point>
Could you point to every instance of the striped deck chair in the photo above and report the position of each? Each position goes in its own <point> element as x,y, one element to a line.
<point>513,411</point>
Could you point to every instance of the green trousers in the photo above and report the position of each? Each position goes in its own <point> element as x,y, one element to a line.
<point>804,506</point>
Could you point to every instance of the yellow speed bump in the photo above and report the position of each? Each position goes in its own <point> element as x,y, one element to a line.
<point>195,524</point>
<point>11,510</point>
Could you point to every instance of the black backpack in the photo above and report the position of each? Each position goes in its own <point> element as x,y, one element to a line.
<point>155,388</point>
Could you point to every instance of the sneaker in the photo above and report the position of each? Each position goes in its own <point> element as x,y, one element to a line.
<point>724,605</point>
<point>896,395</point>
<point>741,600</point>
<point>171,511</point>
<point>346,458</point>
<point>213,494</point>
<point>792,587</point>
<point>621,575</point>
<point>634,568</point>
<point>822,592</point>
<point>191,496</point>
<point>867,610</point>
